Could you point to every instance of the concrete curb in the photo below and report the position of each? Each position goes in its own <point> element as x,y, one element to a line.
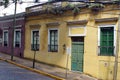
<point>33,70</point>
<point>2,59</point>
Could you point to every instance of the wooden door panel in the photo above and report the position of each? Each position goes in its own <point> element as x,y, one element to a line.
<point>77,55</point>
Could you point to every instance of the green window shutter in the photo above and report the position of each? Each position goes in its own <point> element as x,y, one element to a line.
<point>111,41</point>
<point>106,41</point>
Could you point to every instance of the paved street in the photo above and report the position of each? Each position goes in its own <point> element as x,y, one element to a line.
<point>12,72</point>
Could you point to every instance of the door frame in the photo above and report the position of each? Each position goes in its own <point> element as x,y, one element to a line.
<point>79,37</point>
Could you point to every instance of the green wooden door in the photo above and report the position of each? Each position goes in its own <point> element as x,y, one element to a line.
<point>77,56</point>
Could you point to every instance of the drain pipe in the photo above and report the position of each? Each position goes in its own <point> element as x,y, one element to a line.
<point>117,51</point>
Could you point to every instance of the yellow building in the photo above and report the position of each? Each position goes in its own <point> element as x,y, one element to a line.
<point>76,32</point>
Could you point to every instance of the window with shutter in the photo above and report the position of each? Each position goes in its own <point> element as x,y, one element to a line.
<point>107,41</point>
<point>35,40</point>
<point>17,40</point>
<point>53,41</point>
<point>5,37</point>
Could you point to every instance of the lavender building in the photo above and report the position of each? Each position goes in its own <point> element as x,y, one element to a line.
<point>6,34</point>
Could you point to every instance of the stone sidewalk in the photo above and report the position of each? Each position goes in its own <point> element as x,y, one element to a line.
<point>60,72</point>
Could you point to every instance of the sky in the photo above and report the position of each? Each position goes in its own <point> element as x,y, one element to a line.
<point>20,7</point>
<point>29,0</point>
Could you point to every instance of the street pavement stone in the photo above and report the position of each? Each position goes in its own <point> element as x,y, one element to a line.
<point>12,72</point>
<point>60,72</point>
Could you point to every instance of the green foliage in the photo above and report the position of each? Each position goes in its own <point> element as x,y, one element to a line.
<point>1,3</point>
<point>60,10</point>
<point>74,7</point>
<point>6,2</point>
<point>116,1</point>
<point>96,5</point>
<point>69,6</point>
<point>76,10</point>
<point>56,10</point>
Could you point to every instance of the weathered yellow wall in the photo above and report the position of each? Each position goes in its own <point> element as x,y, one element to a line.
<point>56,58</point>
<point>95,65</point>
<point>77,30</point>
<point>43,55</point>
<point>91,57</point>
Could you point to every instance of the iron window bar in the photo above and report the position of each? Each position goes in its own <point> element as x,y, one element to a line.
<point>107,48</point>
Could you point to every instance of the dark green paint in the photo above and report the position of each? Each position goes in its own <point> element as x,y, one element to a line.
<point>77,56</point>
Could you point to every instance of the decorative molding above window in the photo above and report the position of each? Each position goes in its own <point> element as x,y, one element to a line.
<point>77,31</point>
<point>5,27</point>
<point>10,20</point>
<point>77,22</point>
<point>106,19</point>
<point>53,24</point>
<point>35,25</point>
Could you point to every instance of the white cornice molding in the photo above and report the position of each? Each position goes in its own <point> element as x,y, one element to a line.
<point>10,20</point>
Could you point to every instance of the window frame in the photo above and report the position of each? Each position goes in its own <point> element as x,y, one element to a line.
<point>32,37</point>
<point>15,37</point>
<point>49,39</point>
<point>114,44</point>
<point>8,38</point>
